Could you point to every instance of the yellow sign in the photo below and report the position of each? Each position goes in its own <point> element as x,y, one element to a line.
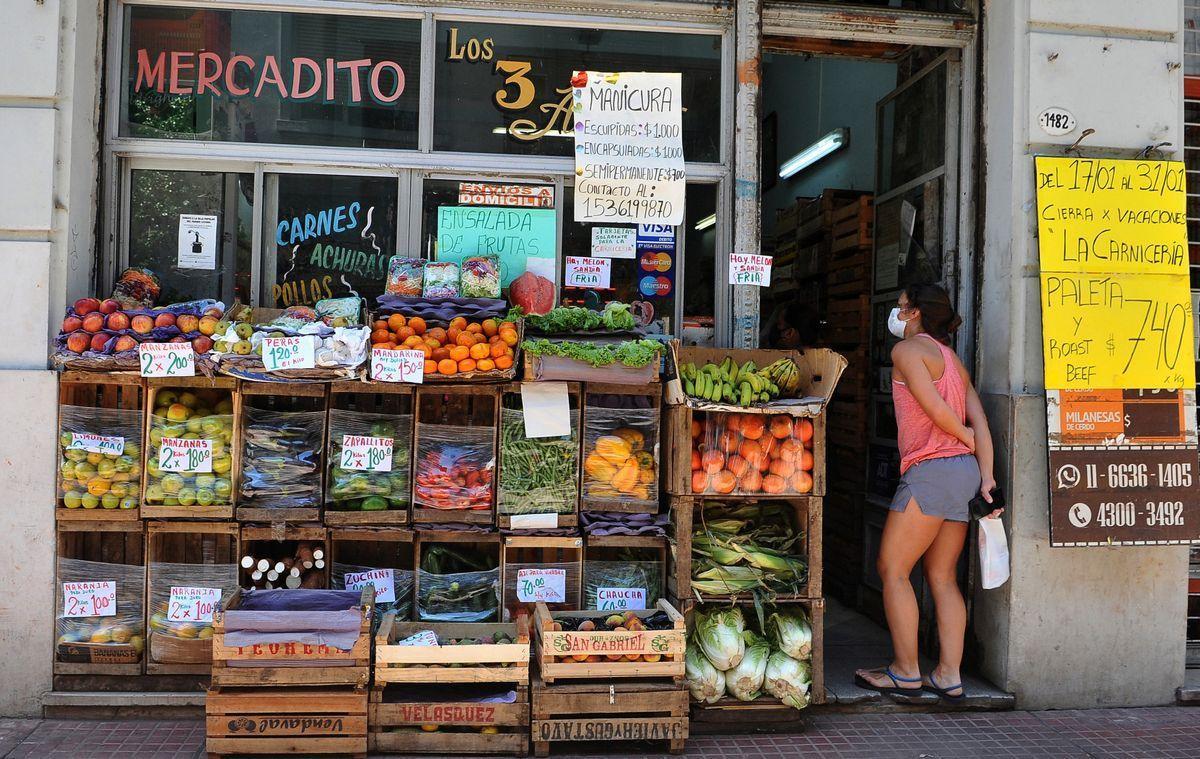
<point>1116,300</point>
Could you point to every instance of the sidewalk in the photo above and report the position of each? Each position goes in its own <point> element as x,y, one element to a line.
<point>1158,732</point>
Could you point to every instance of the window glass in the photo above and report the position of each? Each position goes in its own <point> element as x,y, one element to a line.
<point>700,282</point>
<point>912,131</point>
<point>327,236</point>
<point>157,199</point>
<point>258,76</point>
<point>501,88</point>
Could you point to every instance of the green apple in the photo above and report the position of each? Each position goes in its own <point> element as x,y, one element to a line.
<point>156,436</point>
<point>72,499</point>
<point>205,481</point>
<point>75,455</point>
<point>106,469</point>
<point>223,488</point>
<point>124,463</point>
<point>222,464</point>
<point>211,426</point>
<point>129,502</point>
<point>110,501</point>
<point>170,501</point>
<point>172,483</point>
<point>224,406</point>
<point>90,501</point>
<point>133,450</point>
<point>194,424</point>
<point>187,496</point>
<point>154,493</point>
<point>166,397</point>
<point>205,497</point>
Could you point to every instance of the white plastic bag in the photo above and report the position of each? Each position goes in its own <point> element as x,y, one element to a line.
<point>993,553</point>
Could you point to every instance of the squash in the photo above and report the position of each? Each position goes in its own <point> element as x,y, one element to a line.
<point>644,459</point>
<point>599,469</point>
<point>601,490</point>
<point>645,476</point>
<point>626,478</point>
<point>636,440</point>
<point>641,493</point>
<point>613,449</point>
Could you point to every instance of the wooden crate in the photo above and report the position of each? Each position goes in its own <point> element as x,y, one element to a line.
<point>563,517</point>
<point>398,726</point>
<point>117,390</point>
<point>280,541</point>
<point>519,553</point>
<point>201,543</point>
<point>552,645</point>
<point>808,519</point>
<point>279,722</point>
<point>460,406</point>
<point>622,548</point>
<point>497,663</point>
<point>589,500</point>
<point>852,224</point>
<point>218,511</point>
<point>376,548</point>
<point>561,369</point>
<point>282,396</point>
<point>468,541</point>
<point>385,398</point>
<point>609,711</point>
<point>110,542</point>
<point>322,665</point>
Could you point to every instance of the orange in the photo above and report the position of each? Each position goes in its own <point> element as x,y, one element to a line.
<point>432,343</point>
<point>781,427</point>
<point>466,365</point>
<point>751,482</point>
<point>447,366</point>
<point>801,482</point>
<point>386,346</point>
<point>395,321</point>
<point>738,465</point>
<point>782,468</point>
<point>414,341</point>
<point>753,426</point>
<point>485,365</point>
<point>504,362</point>
<point>697,428</point>
<point>724,481</point>
<point>712,461</point>
<point>806,461</point>
<point>426,350</point>
<point>699,482</point>
<point>437,333</point>
<point>459,323</point>
<point>380,336</point>
<point>696,459</point>
<point>508,325</point>
<point>479,350</point>
<point>509,336</point>
<point>750,449</point>
<point>464,338</point>
<point>803,430</point>
<point>773,483</point>
<point>490,327</point>
<point>441,353</point>
<point>431,367</point>
<point>417,324</point>
<point>452,335</point>
<point>380,324</point>
<point>459,352</point>
<point>405,332</point>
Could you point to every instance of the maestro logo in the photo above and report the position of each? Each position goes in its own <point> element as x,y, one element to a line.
<point>652,287</point>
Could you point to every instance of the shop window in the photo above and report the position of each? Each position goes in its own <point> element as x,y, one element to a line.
<point>501,88</point>
<point>265,77</point>
<point>912,131</point>
<point>185,265</point>
<point>327,236</point>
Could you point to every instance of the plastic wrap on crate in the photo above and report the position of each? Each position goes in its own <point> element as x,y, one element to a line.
<point>480,277</point>
<point>124,626</point>
<point>644,576</point>
<point>441,280</point>
<point>537,475</point>
<point>189,630</point>
<point>548,368</point>
<point>522,590</point>
<point>100,457</point>
<point>192,489</point>
<point>620,447</point>
<point>365,490</point>
<point>405,276</point>
<point>402,584</point>
<point>281,458</point>
<point>458,597</point>
<point>750,454</point>
<point>454,467</point>
<point>315,617</point>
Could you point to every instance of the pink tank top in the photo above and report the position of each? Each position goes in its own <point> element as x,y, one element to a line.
<point>919,438</point>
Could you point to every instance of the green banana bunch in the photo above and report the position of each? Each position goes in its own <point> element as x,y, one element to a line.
<point>738,384</point>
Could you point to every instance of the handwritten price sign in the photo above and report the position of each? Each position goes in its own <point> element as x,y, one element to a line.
<point>180,455</point>
<point>90,599</point>
<point>167,360</point>
<point>749,269</point>
<point>590,273</point>
<point>397,366</point>
<point>622,599</point>
<point>83,441</point>
<point>384,581</point>
<point>188,604</point>
<point>366,454</point>
<point>281,353</point>
<point>542,584</point>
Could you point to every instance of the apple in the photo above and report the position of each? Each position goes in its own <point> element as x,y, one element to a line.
<point>93,322</point>
<point>109,306</point>
<point>187,323</point>
<point>72,324</point>
<point>85,306</point>
<point>208,325</point>
<point>142,324</point>
<point>178,339</point>
<point>165,319</point>
<point>78,342</point>
<point>124,343</point>
<point>117,321</point>
<point>99,340</point>
<point>202,344</point>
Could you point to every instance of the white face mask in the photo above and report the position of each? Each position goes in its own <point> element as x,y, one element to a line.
<point>896,324</point>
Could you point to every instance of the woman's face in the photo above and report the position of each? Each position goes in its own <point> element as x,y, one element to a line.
<point>789,336</point>
<point>908,313</point>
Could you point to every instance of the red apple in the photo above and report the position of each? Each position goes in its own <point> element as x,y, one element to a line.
<point>110,306</point>
<point>117,321</point>
<point>178,339</point>
<point>214,312</point>
<point>202,344</point>
<point>165,319</point>
<point>99,340</point>
<point>71,324</point>
<point>94,321</point>
<point>78,342</point>
<point>142,324</point>
<point>85,306</point>
<point>124,343</point>
<point>187,323</point>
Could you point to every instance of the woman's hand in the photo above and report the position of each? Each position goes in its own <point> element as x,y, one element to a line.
<point>968,439</point>
<point>986,486</point>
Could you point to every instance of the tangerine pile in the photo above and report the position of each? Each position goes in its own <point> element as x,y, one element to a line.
<point>752,453</point>
<point>461,347</point>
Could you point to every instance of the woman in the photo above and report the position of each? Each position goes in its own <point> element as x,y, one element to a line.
<point>945,459</point>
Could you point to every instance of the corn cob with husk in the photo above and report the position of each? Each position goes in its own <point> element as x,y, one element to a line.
<point>739,549</point>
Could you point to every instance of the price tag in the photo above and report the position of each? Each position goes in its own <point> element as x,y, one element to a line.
<point>90,599</point>
<point>83,441</point>
<point>590,273</point>
<point>188,604</point>
<point>608,599</point>
<point>749,269</point>
<point>180,455</point>
<point>397,366</point>
<point>423,638</point>
<point>366,454</point>
<point>384,581</point>
<point>167,359</point>
<point>534,521</point>
<point>281,353</point>
<point>542,584</point>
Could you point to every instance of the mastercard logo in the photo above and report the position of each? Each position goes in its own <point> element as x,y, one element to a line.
<point>655,287</point>
<point>656,261</point>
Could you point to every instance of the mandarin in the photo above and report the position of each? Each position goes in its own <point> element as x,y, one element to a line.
<point>509,336</point>
<point>485,365</point>
<point>417,324</point>
<point>464,338</point>
<point>459,352</point>
<point>490,327</point>
<point>504,362</point>
<point>447,366</point>
<point>396,321</point>
<point>479,350</point>
<point>459,323</point>
<point>466,365</point>
<point>431,367</point>
<point>380,336</point>
<point>380,324</point>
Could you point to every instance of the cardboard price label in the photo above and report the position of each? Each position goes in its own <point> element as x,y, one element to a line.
<point>83,441</point>
<point>384,581</point>
<point>397,366</point>
<point>622,599</point>
<point>366,454</point>
<point>281,353</point>
<point>423,638</point>
<point>90,599</point>
<point>542,584</point>
<point>189,604</point>
<point>749,269</point>
<point>180,455</point>
<point>167,360</point>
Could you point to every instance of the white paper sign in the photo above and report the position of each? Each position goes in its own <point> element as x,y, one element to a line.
<point>534,521</point>
<point>614,242</point>
<point>182,455</point>
<point>608,599</point>
<point>542,584</point>
<point>423,638</point>
<point>397,366</point>
<point>197,242</point>
<point>90,599</point>
<point>628,147</point>
<point>384,581</point>
<point>366,454</point>
<point>546,408</point>
<point>190,604</point>
<point>167,359</point>
<point>85,441</point>
<point>591,273</point>
<point>288,353</point>
<point>749,269</point>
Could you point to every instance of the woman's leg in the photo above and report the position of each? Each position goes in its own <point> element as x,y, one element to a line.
<point>941,572</point>
<point>906,535</point>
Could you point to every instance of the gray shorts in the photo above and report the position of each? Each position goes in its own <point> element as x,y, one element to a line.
<point>941,487</point>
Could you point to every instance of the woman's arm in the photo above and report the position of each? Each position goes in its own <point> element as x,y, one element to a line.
<point>984,453</point>
<point>916,377</point>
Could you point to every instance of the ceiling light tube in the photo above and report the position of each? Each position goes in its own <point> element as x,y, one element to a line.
<point>706,222</point>
<point>835,140</point>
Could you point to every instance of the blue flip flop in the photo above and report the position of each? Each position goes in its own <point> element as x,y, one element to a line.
<point>941,692</point>
<point>893,692</point>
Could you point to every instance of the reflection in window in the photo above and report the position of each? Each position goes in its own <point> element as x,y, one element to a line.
<point>156,201</point>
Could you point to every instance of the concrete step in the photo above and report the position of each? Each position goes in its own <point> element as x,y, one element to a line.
<point>123,705</point>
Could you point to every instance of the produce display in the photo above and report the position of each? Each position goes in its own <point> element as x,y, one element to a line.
<point>100,458</point>
<point>108,329</point>
<point>463,347</point>
<point>725,658</point>
<point>191,414</point>
<point>405,276</point>
<point>283,564</point>
<point>176,625</point>
<point>626,573</point>
<point>740,384</point>
<point>457,585</point>
<point>399,600</point>
<point>632,353</point>
<point>746,454</point>
<point>281,458</point>
<point>426,637</point>
<point>383,488</point>
<point>454,468</point>
<point>111,622</point>
<point>564,320</point>
<point>749,548</point>
<point>441,280</point>
<point>620,444</point>
<point>537,475</point>
<point>331,326</point>
<point>628,621</point>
